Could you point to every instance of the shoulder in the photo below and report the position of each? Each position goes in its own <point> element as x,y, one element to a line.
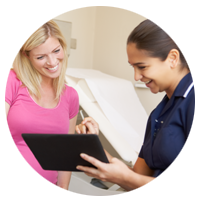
<point>12,80</point>
<point>12,76</point>
<point>70,94</point>
<point>188,102</point>
<point>70,91</point>
<point>189,105</point>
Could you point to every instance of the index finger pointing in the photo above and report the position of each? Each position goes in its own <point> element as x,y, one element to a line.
<point>92,160</point>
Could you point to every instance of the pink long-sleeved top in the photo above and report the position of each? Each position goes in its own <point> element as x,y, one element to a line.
<point>26,116</point>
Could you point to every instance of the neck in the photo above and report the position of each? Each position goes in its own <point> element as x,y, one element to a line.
<point>176,79</point>
<point>46,82</point>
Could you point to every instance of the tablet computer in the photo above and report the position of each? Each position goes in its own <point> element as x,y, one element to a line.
<point>61,152</point>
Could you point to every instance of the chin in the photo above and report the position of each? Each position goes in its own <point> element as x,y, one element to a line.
<point>55,76</point>
<point>154,91</point>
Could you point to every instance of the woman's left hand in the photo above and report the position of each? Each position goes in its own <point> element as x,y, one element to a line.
<point>54,192</point>
<point>114,172</point>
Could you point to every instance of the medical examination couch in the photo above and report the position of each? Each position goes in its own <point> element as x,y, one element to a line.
<point>113,103</point>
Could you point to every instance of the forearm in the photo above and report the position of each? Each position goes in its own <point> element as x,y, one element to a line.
<point>63,179</point>
<point>158,187</point>
<point>130,190</point>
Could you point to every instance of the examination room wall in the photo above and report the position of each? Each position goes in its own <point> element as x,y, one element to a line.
<point>101,34</point>
<point>83,25</point>
<point>112,27</point>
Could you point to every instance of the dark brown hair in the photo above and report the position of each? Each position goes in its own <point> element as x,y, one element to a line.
<point>150,37</point>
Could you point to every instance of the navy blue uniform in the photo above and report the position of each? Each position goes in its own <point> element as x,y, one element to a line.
<point>168,127</point>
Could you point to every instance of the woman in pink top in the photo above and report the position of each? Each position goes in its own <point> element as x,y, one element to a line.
<point>37,97</point>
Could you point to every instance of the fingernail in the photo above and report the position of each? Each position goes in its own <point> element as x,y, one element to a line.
<point>82,155</point>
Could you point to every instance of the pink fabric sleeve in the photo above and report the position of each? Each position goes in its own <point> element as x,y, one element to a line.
<point>73,103</point>
<point>12,87</point>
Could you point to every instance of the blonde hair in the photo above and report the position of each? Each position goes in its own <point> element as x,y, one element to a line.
<point>26,73</point>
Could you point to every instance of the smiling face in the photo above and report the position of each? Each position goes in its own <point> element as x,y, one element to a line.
<point>47,58</point>
<point>156,74</point>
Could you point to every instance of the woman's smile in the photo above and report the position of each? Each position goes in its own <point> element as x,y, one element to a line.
<point>47,58</point>
<point>53,69</point>
<point>147,83</point>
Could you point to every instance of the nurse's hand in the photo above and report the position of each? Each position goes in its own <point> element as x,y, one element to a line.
<point>115,171</point>
<point>54,192</point>
<point>88,126</point>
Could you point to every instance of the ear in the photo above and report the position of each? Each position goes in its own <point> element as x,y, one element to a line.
<point>173,58</point>
<point>24,53</point>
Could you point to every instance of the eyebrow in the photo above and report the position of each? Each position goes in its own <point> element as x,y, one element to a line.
<point>138,63</point>
<point>52,50</point>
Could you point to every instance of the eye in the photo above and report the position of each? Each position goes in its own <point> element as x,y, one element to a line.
<point>56,51</point>
<point>141,67</point>
<point>40,58</point>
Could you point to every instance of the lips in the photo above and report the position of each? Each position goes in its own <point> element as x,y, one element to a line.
<point>147,83</point>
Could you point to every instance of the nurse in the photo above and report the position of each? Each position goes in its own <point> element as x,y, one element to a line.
<point>159,63</point>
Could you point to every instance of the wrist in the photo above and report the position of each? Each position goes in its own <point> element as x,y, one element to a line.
<point>132,179</point>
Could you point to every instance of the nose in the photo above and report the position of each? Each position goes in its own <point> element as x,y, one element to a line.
<point>137,75</point>
<point>51,60</point>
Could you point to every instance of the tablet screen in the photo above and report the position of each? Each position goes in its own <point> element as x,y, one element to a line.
<point>61,152</point>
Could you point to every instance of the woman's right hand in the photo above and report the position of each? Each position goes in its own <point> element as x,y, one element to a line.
<point>88,126</point>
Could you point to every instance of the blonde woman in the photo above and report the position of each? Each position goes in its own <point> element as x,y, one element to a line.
<point>37,98</point>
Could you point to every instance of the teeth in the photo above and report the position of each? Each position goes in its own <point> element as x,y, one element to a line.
<point>147,82</point>
<point>51,69</point>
